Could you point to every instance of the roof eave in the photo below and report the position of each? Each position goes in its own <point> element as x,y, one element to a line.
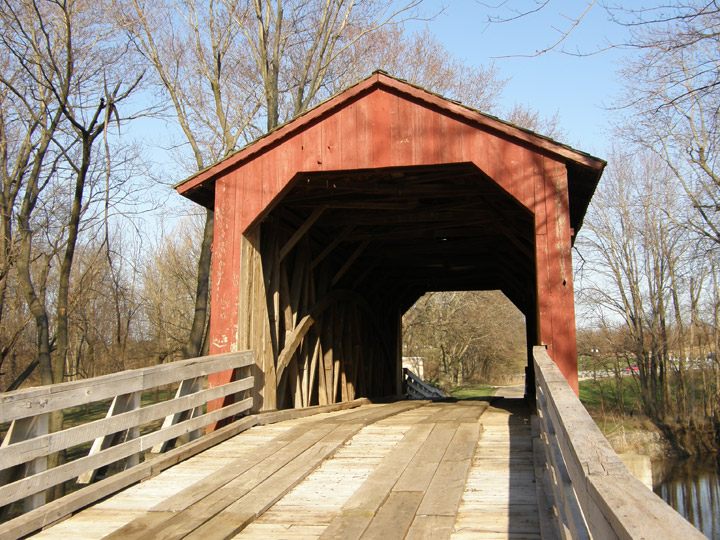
<point>194,183</point>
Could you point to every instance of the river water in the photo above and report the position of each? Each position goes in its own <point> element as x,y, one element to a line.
<point>692,487</point>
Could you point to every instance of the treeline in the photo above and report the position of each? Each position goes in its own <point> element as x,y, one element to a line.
<point>91,279</point>
<point>466,337</point>
<point>649,277</point>
<point>126,309</point>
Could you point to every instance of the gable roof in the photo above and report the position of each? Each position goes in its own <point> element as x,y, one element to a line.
<point>584,170</point>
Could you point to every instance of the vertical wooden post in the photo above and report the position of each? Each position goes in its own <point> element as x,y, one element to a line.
<point>120,404</point>
<point>262,336</point>
<point>531,339</point>
<point>249,250</point>
<point>327,331</point>
<point>313,369</point>
<point>398,353</point>
<point>188,386</point>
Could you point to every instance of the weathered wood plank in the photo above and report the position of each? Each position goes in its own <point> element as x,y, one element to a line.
<point>357,513</point>
<point>29,486</point>
<point>431,528</point>
<point>33,401</point>
<point>206,499</point>
<point>245,509</point>
<point>60,508</point>
<point>316,500</point>
<point>420,471</point>
<point>207,504</point>
<point>500,489</point>
<point>446,488</point>
<point>224,476</point>
<point>395,516</point>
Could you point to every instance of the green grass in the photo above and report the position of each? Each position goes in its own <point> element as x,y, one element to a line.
<point>603,394</point>
<point>600,398</point>
<point>467,391</point>
<point>97,410</point>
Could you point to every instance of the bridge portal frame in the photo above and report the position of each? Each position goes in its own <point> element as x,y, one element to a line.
<point>330,227</point>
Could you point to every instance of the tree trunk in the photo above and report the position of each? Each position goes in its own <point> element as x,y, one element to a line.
<point>194,346</point>
<point>37,309</point>
<point>66,264</point>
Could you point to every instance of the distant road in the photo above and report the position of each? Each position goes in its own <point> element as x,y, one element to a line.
<point>514,391</point>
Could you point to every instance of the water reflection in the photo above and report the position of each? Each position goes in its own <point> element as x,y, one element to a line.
<point>692,487</point>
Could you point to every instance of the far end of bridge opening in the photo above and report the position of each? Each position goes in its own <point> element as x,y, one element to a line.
<point>465,341</point>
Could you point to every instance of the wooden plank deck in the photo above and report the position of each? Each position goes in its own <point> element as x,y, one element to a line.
<point>412,470</point>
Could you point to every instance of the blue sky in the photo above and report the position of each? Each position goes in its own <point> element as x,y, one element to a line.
<point>579,88</point>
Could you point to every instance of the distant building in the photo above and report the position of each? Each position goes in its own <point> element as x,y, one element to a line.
<point>414,364</point>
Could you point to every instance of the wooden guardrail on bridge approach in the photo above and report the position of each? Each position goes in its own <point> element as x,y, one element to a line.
<point>128,431</point>
<point>593,493</point>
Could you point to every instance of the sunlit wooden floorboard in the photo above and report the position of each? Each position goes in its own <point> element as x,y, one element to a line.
<point>440,470</point>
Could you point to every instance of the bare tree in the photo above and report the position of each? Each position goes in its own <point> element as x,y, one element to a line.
<point>673,101</point>
<point>645,279</point>
<point>420,59</point>
<point>168,289</point>
<point>296,45</point>
<point>200,63</point>
<point>508,11</point>
<point>466,336</point>
<point>31,116</point>
<point>63,71</point>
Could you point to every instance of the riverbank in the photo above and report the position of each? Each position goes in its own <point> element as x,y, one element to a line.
<point>616,406</point>
<point>634,435</point>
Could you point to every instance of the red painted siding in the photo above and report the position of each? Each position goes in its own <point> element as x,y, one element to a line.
<point>385,128</point>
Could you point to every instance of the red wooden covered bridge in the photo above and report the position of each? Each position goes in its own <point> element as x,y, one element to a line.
<point>326,231</point>
<point>329,228</point>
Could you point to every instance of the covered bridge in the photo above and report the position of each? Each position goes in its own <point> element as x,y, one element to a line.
<point>329,228</point>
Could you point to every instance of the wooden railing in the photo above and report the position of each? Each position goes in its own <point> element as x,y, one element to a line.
<point>416,388</point>
<point>127,435</point>
<point>592,492</point>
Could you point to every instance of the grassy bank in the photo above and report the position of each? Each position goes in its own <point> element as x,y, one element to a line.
<point>610,395</point>
<point>615,406</point>
<point>468,391</point>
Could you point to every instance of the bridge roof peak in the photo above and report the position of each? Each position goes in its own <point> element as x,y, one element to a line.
<point>364,96</point>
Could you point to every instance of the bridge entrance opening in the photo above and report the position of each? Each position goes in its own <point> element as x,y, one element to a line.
<point>458,339</point>
<point>344,254</point>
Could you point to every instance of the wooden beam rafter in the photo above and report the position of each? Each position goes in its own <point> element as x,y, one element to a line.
<point>332,245</point>
<point>345,267</point>
<point>305,227</point>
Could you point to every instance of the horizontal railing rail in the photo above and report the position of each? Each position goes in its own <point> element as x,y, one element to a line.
<point>418,389</point>
<point>594,494</point>
<point>125,436</point>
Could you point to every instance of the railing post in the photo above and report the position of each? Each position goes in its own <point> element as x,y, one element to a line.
<point>120,404</point>
<point>188,386</point>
